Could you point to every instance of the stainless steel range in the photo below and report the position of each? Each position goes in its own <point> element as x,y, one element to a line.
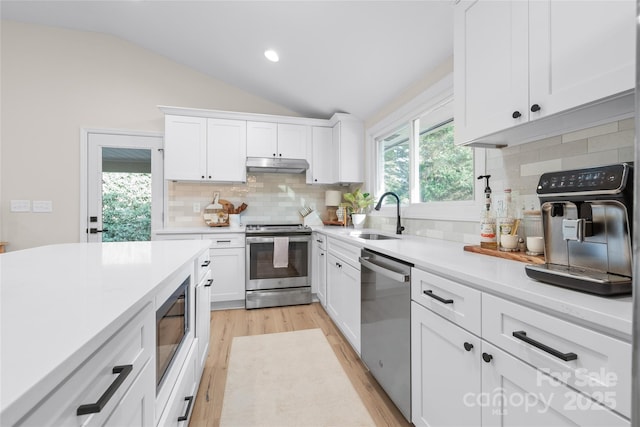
<point>278,265</point>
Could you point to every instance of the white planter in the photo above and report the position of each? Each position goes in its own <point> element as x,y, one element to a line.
<point>358,220</point>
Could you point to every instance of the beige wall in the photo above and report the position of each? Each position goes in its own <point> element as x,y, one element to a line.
<point>55,82</point>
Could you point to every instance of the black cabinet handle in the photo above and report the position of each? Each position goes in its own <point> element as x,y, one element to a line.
<point>209,283</point>
<point>315,180</point>
<point>487,357</point>
<point>202,176</point>
<point>91,408</point>
<point>522,335</point>
<point>280,154</point>
<point>430,293</point>
<point>535,107</point>
<point>186,413</point>
<point>95,231</point>
<point>274,154</point>
<point>468,346</point>
<point>206,263</point>
<point>516,114</point>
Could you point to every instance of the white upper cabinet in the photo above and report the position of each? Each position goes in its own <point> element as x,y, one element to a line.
<point>202,149</point>
<point>322,156</point>
<point>517,61</point>
<point>287,141</point>
<point>292,141</point>
<point>262,139</point>
<point>348,143</point>
<point>227,150</point>
<point>185,148</point>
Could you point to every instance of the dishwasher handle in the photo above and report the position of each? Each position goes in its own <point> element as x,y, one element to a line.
<point>398,277</point>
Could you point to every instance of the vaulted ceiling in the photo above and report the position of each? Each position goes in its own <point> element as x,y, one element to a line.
<point>335,56</point>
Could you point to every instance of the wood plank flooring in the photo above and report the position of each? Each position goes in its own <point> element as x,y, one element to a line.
<point>226,324</point>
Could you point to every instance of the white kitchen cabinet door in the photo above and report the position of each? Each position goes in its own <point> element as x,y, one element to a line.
<point>516,394</point>
<point>579,52</point>
<point>319,269</point>
<point>348,143</point>
<point>334,289</point>
<point>446,369</point>
<point>228,273</point>
<point>292,141</point>
<point>185,148</point>
<point>203,319</point>
<point>262,139</point>
<point>343,298</point>
<point>491,67</point>
<point>226,150</point>
<point>322,159</point>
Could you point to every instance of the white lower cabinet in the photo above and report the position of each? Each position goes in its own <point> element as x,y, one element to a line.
<point>490,377</point>
<point>343,298</point>
<point>203,318</point>
<point>445,371</point>
<point>319,268</point>
<point>116,383</point>
<point>227,266</point>
<point>183,394</point>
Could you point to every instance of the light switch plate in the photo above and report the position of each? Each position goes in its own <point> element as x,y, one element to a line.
<point>196,208</point>
<point>44,206</point>
<point>20,206</point>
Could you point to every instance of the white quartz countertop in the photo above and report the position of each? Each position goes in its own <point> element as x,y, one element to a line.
<point>501,277</point>
<point>59,301</point>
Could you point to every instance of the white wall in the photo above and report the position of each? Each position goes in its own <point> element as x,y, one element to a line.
<point>55,82</point>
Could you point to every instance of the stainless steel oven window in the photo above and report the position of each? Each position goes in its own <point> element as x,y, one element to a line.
<point>261,261</point>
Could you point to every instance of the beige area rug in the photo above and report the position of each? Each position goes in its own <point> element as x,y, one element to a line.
<point>289,379</point>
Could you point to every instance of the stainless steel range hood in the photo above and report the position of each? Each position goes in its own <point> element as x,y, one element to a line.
<point>276,165</point>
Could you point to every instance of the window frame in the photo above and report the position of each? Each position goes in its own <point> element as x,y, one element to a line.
<point>431,101</point>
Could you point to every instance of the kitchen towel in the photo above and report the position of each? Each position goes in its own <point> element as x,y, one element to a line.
<point>280,252</point>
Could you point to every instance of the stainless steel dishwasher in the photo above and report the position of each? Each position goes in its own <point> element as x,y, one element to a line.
<point>385,325</point>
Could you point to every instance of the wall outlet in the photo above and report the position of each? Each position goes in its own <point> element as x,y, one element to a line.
<point>45,206</point>
<point>20,206</point>
<point>196,208</point>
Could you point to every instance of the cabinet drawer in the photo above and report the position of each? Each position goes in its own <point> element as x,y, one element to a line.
<point>131,346</point>
<point>202,266</point>
<point>226,240</point>
<point>345,251</point>
<point>181,236</point>
<point>183,396</point>
<point>320,241</point>
<point>596,364</point>
<point>453,301</point>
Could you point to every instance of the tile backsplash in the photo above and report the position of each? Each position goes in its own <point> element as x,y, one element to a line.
<point>270,198</point>
<point>519,167</point>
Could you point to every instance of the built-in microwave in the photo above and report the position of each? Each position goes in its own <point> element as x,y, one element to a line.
<point>172,328</point>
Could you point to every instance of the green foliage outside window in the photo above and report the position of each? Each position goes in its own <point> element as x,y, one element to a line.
<point>445,171</point>
<point>126,206</point>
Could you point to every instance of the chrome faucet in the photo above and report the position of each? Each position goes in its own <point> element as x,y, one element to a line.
<point>399,228</point>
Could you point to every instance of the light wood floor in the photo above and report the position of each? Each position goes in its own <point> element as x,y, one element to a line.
<point>227,324</point>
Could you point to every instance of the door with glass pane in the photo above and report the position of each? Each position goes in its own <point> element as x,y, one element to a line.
<point>124,188</point>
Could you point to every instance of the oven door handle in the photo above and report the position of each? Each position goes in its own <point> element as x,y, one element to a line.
<point>393,275</point>
<point>270,239</point>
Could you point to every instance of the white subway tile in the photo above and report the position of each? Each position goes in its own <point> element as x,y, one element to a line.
<point>590,132</point>
<point>539,168</point>
<point>613,141</point>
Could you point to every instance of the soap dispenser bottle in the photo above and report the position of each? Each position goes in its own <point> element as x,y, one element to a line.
<point>487,219</point>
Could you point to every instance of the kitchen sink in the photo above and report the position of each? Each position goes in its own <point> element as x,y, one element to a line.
<point>373,236</point>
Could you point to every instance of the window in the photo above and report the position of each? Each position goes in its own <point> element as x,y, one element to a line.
<point>418,160</point>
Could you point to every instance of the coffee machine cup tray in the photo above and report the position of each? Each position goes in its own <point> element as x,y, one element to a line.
<point>580,279</point>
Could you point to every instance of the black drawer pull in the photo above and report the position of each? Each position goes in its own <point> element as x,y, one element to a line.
<point>186,413</point>
<point>522,335</point>
<point>223,241</point>
<point>91,408</point>
<point>468,346</point>
<point>209,283</point>
<point>430,293</point>
<point>487,357</point>
<point>206,263</point>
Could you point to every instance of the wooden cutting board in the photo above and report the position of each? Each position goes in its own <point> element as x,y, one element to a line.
<point>515,256</point>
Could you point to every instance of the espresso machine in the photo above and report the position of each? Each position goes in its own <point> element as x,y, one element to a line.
<point>587,217</point>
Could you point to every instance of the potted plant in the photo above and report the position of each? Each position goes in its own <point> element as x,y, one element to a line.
<point>357,203</point>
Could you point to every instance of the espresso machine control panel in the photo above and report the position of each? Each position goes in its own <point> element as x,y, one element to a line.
<point>606,179</point>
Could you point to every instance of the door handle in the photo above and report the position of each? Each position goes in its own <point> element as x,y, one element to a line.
<point>91,408</point>
<point>522,335</point>
<point>186,413</point>
<point>393,275</point>
<point>430,293</point>
<point>95,230</point>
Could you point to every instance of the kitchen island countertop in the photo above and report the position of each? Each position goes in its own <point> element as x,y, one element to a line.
<point>60,302</point>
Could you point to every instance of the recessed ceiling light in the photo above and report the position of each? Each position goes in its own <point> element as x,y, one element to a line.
<point>271,55</point>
